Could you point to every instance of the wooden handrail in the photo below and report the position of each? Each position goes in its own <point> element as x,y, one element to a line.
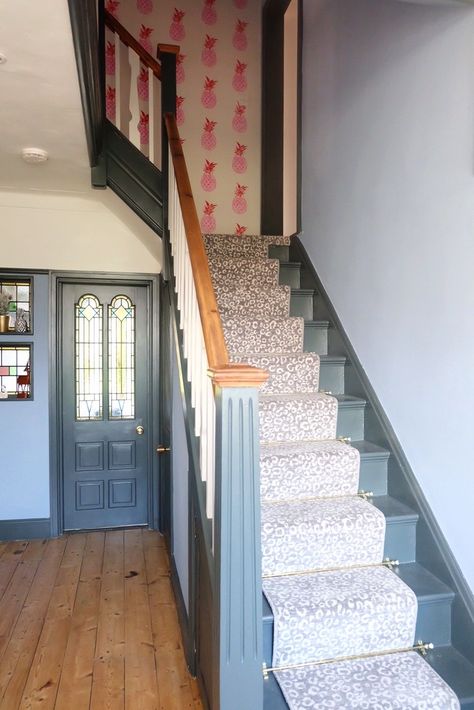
<point>113,24</point>
<point>223,372</point>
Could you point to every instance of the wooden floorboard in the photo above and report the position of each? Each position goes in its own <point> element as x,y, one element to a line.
<point>88,621</point>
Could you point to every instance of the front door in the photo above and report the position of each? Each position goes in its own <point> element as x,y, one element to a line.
<point>105,386</point>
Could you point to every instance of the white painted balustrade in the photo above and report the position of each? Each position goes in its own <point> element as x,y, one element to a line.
<point>133,97</point>
<point>202,395</point>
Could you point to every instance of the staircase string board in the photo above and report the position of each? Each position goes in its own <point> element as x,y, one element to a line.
<point>344,621</point>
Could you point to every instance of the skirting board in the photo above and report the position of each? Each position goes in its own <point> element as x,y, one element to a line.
<point>27,529</point>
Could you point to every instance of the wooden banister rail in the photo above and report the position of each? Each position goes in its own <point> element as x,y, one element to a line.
<point>113,24</point>
<point>224,373</point>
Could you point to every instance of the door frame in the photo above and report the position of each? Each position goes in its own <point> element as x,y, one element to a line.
<point>273,20</point>
<point>57,280</point>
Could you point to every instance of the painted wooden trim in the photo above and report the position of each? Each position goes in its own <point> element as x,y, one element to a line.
<point>25,529</point>
<point>272,186</point>
<point>84,24</point>
<point>57,280</point>
<point>238,593</point>
<point>433,551</point>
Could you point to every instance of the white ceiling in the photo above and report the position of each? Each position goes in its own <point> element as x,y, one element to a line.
<point>40,103</point>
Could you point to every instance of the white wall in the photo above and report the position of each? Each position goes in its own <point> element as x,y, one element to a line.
<point>388,214</point>
<point>89,231</point>
<point>86,231</point>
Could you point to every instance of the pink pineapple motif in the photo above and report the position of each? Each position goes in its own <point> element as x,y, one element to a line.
<point>239,122</point>
<point>180,74</point>
<point>110,59</point>
<point>239,162</point>
<point>208,97</point>
<point>143,125</point>
<point>208,221</point>
<point>145,6</point>
<point>239,39</point>
<point>239,82</point>
<point>110,103</point>
<point>179,110</point>
<point>208,138</point>
<point>208,54</point>
<point>145,38</point>
<point>240,4</point>
<point>239,203</point>
<point>142,84</point>
<point>112,7</point>
<point>209,14</point>
<point>177,31</point>
<point>239,230</point>
<point>208,179</point>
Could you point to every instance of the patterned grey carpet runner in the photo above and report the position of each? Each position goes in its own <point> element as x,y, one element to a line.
<point>340,616</point>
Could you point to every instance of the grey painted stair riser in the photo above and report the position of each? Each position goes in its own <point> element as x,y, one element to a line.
<point>290,274</point>
<point>320,534</point>
<point>351,418</point>
<point>302,303</point>
<point>269,335</point>
<point>340,613</point>
<point>332,374</point>
<point>304,417</point>
<point>324,469</point>
<point>282,253</point>
<point>220,245</point>
<point>256,301</point>
<point>287,373</point>
<point>434,609</point>
<point>316,337</point>
<point>228,270</point>
<point>373,475</point>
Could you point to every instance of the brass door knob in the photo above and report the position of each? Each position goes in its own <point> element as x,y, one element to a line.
<point>162,449</point>
<point>140,430</point>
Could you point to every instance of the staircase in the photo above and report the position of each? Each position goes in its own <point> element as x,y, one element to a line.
<point>351,618</point>
<point>361,606</point>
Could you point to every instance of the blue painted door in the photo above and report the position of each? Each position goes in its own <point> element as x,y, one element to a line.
<point>105,385</point>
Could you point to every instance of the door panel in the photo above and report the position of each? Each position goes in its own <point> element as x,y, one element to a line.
<point>105,381</point>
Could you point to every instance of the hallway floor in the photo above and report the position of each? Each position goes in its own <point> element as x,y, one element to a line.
<point>89,621</point>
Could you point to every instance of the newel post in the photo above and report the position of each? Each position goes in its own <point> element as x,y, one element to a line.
<point>237,549</point>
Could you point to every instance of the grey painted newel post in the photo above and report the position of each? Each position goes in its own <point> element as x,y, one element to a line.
<point>238,582</point>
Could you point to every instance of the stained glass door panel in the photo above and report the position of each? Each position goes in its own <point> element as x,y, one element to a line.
<point>105,374</point>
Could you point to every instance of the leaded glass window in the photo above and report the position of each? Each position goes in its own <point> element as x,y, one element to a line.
<point>121,358</point>
<point>14,366</point>
<point>89,398</point>
<point>19,294</point>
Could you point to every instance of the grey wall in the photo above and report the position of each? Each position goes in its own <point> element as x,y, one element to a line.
<point>179,469</point>
<point>24,427</point>
<point>388,218</point>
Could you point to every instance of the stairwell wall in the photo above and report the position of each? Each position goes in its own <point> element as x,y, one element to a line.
<point>388,218</point>
<point>219,41</point>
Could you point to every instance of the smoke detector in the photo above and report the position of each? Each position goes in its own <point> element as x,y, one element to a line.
<point>3,59</point>
<point>34,155</point>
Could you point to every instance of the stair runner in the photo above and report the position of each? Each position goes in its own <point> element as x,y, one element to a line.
<point>342,620</point>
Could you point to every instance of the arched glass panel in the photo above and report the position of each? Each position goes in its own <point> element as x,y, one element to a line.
<point>121,358</point>
<point>89,401</point>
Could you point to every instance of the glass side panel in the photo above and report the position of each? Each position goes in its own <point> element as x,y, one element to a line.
<point>121,358</point>
<point>88,346</point>
<point>15,378</point>
<point>19,305</point>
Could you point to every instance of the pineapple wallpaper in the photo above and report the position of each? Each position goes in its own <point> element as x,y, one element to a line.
<point>218,98</point>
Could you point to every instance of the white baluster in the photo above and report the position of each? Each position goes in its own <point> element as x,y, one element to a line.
<point>136,107</point>
<point>122,79</point>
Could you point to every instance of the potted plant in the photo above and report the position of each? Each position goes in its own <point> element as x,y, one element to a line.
<point>4,317</point>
